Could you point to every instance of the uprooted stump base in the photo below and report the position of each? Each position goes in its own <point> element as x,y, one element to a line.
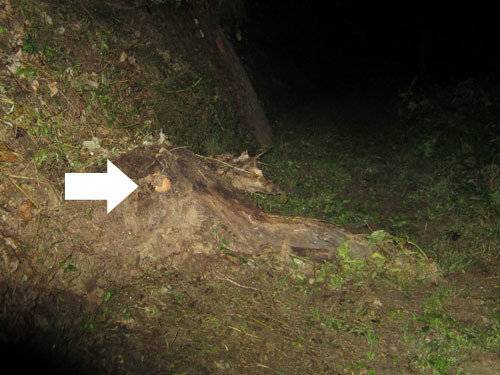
<point>182,207</point>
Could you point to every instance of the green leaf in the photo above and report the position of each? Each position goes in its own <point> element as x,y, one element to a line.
<point>108,296</point>
<point>71,268</point>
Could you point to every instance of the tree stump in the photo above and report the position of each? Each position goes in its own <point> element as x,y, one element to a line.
<point>202,212</point>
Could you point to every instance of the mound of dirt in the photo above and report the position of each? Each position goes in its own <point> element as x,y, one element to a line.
<point>181,209</point>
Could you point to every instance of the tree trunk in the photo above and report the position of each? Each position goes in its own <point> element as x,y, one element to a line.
<point>249,108</point>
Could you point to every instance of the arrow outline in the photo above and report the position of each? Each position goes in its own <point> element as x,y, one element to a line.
<point>113,186</point>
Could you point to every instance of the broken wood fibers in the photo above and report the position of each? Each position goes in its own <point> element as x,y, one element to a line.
<point>246,228</point>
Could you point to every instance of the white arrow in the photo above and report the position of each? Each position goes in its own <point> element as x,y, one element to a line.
<point>113,186</point>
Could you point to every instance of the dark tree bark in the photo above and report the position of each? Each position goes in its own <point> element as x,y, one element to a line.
<point>249,108</point>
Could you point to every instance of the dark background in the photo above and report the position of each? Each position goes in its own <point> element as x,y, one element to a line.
<point>340,46</point>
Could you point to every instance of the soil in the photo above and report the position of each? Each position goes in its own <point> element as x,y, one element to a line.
<point>186,276</point>
<point>192,278</point>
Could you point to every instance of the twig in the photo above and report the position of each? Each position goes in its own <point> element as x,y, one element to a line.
<point>223,162</point>
<point>22,191</point>
<point>266,367</point>
<point>235,283</point>
<point>246,333</point>
<point>186,89</point>
<point>202,175</point>
<point>177,148</point>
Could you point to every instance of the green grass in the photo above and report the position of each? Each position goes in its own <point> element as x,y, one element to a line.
<point>421,182</point>
<point>430,174</point>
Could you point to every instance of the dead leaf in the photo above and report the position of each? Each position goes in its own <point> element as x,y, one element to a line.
<point>93,84</point>
<point>123,57</point>
<point>25,211</point>
<point>3,188</point>
<point>283,197</point>
<point>47,18</point>
<point>35,85</point>
<point>53,89</point>
<point>15,65</point>
<point>8,8</point>
<point>243,157</point>
<point>375,302</point>
<point>8,157</point>
<point>165,186</point>
<point>256,172</point>
<point>92,145</point>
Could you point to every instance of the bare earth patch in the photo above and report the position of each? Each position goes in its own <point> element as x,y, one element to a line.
<point>187,275</point>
